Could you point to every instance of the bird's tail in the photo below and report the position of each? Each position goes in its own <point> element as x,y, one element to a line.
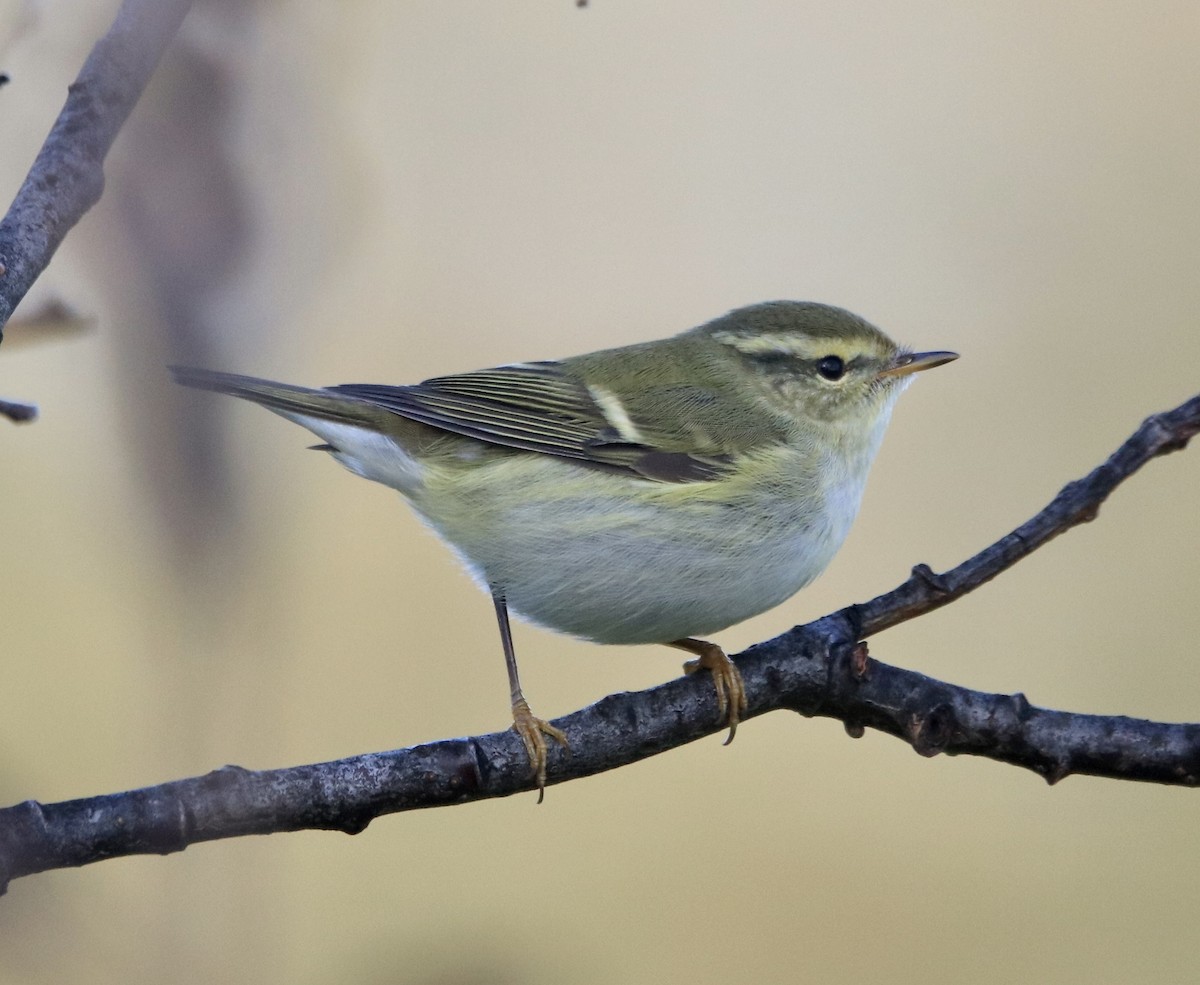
<point>360,434</point>
<point>294,402</point>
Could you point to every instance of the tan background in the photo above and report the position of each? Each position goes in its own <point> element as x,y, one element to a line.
<point>415,188</point>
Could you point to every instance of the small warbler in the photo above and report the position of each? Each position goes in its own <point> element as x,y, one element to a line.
<point>653,493</point>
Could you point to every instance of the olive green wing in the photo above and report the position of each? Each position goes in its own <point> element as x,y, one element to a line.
<point>542,407</point>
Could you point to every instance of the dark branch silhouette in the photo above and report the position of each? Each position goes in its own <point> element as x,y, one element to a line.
<point>67,177</point>
<point>821,668</point>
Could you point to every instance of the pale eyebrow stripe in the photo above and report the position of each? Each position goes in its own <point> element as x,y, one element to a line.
<point>790,346</point>
<point>614,412</point>
<point>784,345</point>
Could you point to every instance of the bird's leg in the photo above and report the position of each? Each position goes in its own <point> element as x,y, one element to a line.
<point>727,679</point>
<point>531,729</point>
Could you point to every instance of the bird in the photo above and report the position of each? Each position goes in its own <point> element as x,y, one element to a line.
<point>657,492</point>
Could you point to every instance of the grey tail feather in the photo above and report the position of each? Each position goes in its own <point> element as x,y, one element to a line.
<point>283,398</point>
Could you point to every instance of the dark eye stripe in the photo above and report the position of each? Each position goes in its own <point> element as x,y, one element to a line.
<point>774,357</point>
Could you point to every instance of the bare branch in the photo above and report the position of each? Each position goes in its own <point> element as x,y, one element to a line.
<point>817,669</point>
<point>67,177</point>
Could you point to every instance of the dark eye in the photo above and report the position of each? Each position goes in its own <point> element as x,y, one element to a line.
<point>831,367</point>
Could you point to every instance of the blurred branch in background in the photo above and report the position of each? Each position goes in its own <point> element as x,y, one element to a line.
<point>16,412</point>
<point>67,177</point>
<point>179,223</point>
<point>167,249</point>
<point>51,321</point>
<point>821,668</point>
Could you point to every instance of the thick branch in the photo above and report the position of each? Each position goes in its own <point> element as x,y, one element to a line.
<point>68,175</point>
<point>817,669</point>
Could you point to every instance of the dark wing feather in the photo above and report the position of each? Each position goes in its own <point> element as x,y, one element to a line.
<point>534,407</point>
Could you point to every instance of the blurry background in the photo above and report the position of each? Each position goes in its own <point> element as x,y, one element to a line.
<point>326,193</point>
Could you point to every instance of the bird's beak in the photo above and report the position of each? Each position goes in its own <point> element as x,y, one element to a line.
<point>914,362</point>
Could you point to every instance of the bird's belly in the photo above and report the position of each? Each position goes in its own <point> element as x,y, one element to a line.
<point>651,590</point>
<point>613,570</point>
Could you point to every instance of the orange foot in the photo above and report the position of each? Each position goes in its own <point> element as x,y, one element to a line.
<point>727,679</point>
<point>532,731</point>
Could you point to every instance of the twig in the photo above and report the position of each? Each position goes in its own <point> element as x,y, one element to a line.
<point>67,176</point>
<point>1079,502</point>
<point>817,669</point>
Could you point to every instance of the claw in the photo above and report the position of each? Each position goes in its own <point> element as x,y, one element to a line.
<point>727,680</point>
<point>532,730</point>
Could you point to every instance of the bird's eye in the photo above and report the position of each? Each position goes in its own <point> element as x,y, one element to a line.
<point>831,367</point>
